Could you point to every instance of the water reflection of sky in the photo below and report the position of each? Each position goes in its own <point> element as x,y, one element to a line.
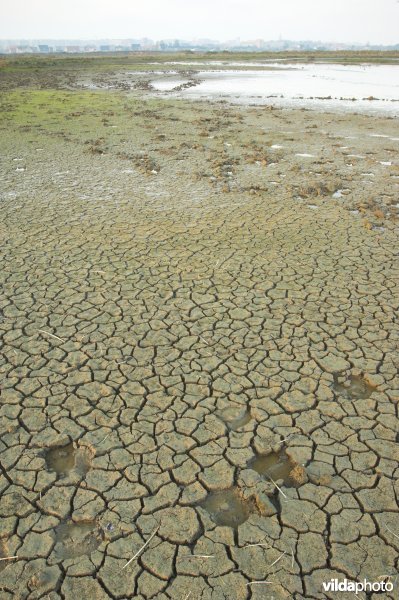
<point>302,85</point>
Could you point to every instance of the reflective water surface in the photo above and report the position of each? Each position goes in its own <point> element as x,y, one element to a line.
<point>369,88</point>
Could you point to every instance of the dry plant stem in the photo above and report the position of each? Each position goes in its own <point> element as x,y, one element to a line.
<point>51,335</point>
<point>141,549</point>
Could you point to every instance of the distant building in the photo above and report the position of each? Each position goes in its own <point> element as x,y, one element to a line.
<point>45,46</point>
<point>25,49</point>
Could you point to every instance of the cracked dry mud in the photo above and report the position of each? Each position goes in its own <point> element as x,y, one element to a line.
<point>199,387</point>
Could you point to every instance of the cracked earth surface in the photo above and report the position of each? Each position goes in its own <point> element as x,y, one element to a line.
<point>198,365</point>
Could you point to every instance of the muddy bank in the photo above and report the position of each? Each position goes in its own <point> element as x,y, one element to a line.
<point>199,387</point>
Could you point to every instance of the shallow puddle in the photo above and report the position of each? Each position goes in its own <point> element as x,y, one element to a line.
<point>227,508</point>
<point>277,465</point>
<point>76,539</point>
<point>305,85</point>
<point>234,418</point>
<point>63,459</point>
<point>356,388</point>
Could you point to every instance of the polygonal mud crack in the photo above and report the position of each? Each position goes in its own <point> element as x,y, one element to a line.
<point>63,459</point>
<point>179,524</point>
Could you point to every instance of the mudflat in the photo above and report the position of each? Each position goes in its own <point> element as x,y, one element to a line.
<point>199,348</point>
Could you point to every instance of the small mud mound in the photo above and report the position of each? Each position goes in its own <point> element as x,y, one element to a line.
<point>277,466</point>
<point>234,418</point>
<point>354,389</point>
<point>76,539</point>
<point>63,459</point>
<point>227,508</point>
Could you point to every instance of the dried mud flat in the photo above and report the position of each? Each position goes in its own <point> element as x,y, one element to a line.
<point>198,377</point>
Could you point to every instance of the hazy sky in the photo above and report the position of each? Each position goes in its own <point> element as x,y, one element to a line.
<point>374,21</point>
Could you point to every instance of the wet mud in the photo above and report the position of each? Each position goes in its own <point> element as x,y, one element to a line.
<point>76,539</point>
<point>355,387</point>
<point>277,466</point>
<point>63,459</point>
<point>227,508</point>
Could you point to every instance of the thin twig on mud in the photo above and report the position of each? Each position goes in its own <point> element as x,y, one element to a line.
<point>197,556</point>
<point>260,582</point>
<point>260,544</point>
<point>8,557</point>
<point>103,440</point>
<point>390,531</point>
<point>279,488</point>
<point>51,335</point>
<point>277,559</point>
<point>141,549</point>
<point>285,439</point>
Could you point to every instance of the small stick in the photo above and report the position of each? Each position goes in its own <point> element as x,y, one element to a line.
<point>277,559</point>
<point>260,582</point>
<point>397,536</point>
<point>197,556</point>
<point>51,335</point>
<point>103,440</point>
<point>285,439</point>
<point>8,557</point>
<point>279,488</point>
<point>188,595</point>
<point>141,549</point>
<point>260,544</point>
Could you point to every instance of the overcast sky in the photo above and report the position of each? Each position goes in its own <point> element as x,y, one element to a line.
<point>374,21</point>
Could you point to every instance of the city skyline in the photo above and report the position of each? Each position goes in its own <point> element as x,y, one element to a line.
<point>176,45</point>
